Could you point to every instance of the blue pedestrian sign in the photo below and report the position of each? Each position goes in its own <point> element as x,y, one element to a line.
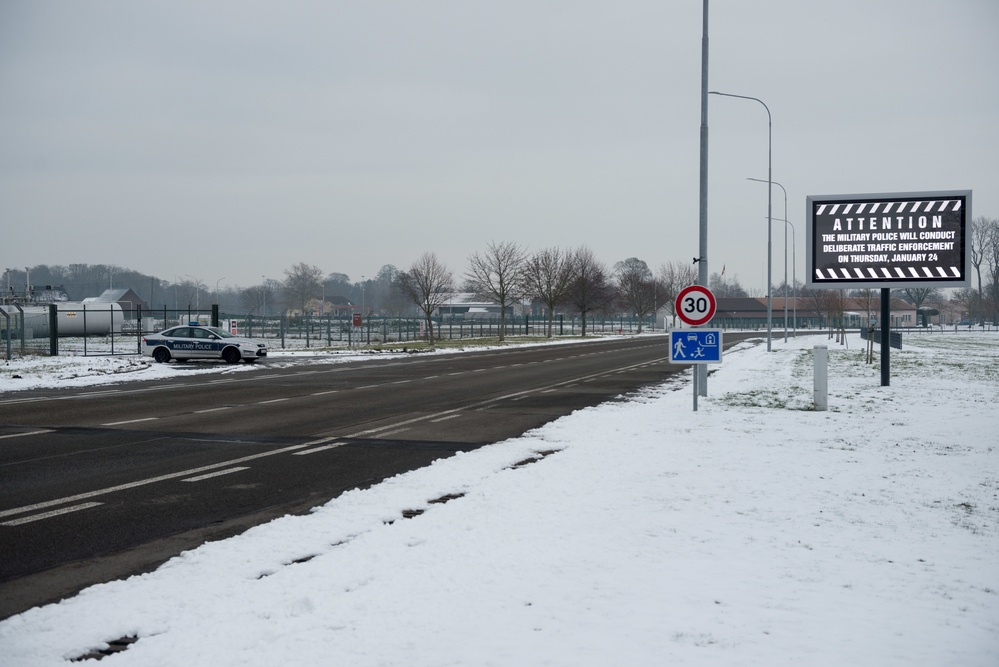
<point>695,346</point>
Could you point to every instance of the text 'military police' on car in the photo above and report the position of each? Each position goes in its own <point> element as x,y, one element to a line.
<point>194,341</point>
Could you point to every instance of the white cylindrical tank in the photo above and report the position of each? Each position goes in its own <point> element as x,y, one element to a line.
<point>74,319</point>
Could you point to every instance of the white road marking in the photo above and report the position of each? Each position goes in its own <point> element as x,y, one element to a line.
<point>441,419</point>
<point>273,400</point>
<point>49,515</point>
<point>201,412</point>
<point>131,421</point>
<point>332,445</point>
<point>21,435</point>
<point>217,473</point>
<point>151,480</point>
<point>398,430</point>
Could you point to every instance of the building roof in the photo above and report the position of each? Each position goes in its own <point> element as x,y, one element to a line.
<point>120,296</point>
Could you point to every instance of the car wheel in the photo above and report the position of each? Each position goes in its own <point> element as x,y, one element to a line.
<point>161,355</point>
<point>230,355</point>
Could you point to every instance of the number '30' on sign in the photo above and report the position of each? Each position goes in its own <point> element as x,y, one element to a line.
<point>695,305</point>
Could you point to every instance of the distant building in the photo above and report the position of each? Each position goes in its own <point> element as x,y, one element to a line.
<point>467,305</point>
<point>805,312</point>
<point>126,298</point>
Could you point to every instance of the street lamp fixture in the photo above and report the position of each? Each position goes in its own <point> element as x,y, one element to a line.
<point>770,305</point>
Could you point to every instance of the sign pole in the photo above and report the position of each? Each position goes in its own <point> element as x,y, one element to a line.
<point>885,336</point>
<point>696,372</point>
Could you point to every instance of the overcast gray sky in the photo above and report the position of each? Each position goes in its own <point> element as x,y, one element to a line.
<point>233,139</point>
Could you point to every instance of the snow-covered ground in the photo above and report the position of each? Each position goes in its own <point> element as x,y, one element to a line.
<point>755,531</point>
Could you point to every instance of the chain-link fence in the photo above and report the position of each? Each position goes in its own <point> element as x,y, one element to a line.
<point>107,329</point>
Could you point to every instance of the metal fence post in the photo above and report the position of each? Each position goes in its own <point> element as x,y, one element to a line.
<point>53,330</point>
<point>6,316</point>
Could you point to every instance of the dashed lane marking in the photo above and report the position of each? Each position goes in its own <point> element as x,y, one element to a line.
<point>131,421</point>
<point>151,480</point>
<point>49,515</point>
<point>323,448</point>
<point>217,473</point>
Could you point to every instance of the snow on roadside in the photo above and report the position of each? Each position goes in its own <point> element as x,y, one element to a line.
<point>754,531</point>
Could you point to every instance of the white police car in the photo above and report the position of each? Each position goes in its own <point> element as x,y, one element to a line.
<point>194,341</point>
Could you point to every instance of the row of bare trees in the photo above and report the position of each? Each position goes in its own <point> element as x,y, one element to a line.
<point>507,274</point>
<point>983,303</point>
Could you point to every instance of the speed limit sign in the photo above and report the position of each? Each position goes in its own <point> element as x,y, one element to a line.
<point>695,305</point>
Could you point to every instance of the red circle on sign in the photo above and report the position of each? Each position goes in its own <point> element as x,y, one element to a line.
<point>695,305</point>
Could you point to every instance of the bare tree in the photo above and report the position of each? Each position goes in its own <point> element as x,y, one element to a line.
<point>871,300</point>
<point>918,296</point>
<point>255,298</point>
<point>337,284</point>
<point>302,283</point>
<point>429,284</point>
<point>726,288</point>
<point>818,302</point>
<point>967,302</point>
<point>673,278</point>
<point>590,290</point>
<point>382,295</point>
<point>991,255</point>
<point>980,234</point>
<point>548,275</point>
<point>498,275</point>
<point>636,288</point>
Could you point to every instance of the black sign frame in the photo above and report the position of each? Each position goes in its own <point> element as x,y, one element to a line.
<point>888,240</point>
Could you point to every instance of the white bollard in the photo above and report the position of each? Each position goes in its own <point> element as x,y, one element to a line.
<point>821,373</point>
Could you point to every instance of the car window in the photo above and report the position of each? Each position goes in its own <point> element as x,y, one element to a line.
<point>221,333</point>
<point>199,333</point>
<point>179,332</point>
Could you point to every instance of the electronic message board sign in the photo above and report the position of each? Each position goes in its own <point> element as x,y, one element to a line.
<point>898,240</point>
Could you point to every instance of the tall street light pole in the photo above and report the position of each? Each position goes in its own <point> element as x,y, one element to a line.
<point>770,304</point>
<point>794,274</point>
<point>217,288</point>
<point>760,180</point>
<point>700,371</point>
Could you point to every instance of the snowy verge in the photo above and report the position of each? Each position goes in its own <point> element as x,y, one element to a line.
<point>753,531</point>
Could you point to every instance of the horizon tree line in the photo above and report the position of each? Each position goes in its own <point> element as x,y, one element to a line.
<point>547,280</point>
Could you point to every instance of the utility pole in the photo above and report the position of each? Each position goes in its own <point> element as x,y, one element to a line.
<point>701,370</point>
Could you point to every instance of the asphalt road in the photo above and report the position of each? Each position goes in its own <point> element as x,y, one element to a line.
<point>102,483</point>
